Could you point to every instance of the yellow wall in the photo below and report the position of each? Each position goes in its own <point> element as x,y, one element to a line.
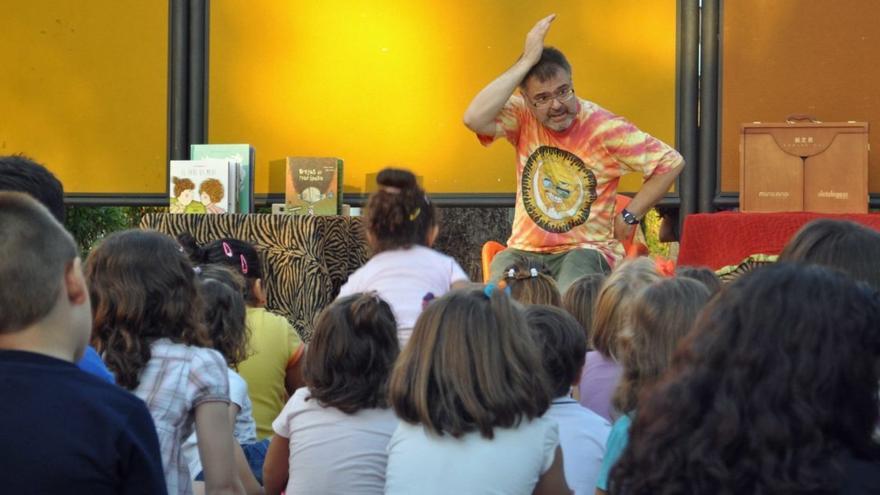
<point>84,90</point>
<point>386,81</point>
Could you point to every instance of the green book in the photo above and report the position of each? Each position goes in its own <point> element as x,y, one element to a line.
<point>314,186</point>
<point>243,155</point>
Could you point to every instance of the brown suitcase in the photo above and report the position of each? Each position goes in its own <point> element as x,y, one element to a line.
<point>802,165</point>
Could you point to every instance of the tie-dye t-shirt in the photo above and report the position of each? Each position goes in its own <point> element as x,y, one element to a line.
<point>567,181</point>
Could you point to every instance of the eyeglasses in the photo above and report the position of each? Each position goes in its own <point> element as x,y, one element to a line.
<point>561,95</point>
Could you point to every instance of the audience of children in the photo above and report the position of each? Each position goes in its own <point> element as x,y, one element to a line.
<point>610,319</point>
<point>272,368</point>
<point>662,314</point>
<point>775,391</point>
<point>531,283</point>
<point>403,270</point>
<point>333,434</point>
<point>64,431</point>
<point>582,433</point>
<point>470,390</point>
<point>148,325</point>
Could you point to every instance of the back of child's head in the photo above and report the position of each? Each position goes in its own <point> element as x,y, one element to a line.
<point>399,213</point>
<point>20,173</point>
<point>662,314</point>
<point>142,288</point>
<point>702,274</point>
<point>580,300</point>
<point>838,244</point>
<point>470,365</point>
<point>222,293</point>
<point>351,354</point>
<point>562,342</point>
<point>614,303</point>
<point>531,283</point>
<point>236,254</point>
<point>36,254</point>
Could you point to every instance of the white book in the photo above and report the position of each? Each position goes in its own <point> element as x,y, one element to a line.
<point>202,186</point>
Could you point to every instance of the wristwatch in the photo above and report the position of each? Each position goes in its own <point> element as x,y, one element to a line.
<point>628,217</point>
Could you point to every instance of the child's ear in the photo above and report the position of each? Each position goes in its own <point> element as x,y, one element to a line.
<point>259,293</point>
<point>75,283</point>
<point>432,235</point>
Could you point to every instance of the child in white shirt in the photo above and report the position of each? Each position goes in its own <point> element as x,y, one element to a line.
<point>404,270</point>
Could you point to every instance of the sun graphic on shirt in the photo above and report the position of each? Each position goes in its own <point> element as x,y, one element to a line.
<point>557,189</point>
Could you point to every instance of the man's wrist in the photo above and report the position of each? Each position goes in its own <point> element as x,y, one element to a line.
<point>628,217</point>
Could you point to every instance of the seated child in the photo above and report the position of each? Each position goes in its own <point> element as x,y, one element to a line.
<point>332,435</point>
<point>403,270</point>
<point>272,368</point>
<point>64,431</point>
<point>148,323</point>
<point>580,300</point>
<point>470,391</point>
<point>582,433</point>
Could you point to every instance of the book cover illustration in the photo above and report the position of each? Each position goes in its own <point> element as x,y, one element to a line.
<point>243,156</point>
<point>202,186</point>
<point>313,186</point>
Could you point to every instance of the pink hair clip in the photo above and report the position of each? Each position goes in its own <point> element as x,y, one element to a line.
<point>227,249</point>
<point>244,265</point>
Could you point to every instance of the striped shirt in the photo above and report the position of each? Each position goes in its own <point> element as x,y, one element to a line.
<point>175,381</point>
<point>567,181</point>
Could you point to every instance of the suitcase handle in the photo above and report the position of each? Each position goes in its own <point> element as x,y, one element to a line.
<point>793,118</point>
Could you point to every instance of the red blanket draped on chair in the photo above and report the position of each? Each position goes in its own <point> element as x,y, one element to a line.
<point>722,239</point>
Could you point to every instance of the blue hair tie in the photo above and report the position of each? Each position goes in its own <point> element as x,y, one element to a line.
<point>490,288</point>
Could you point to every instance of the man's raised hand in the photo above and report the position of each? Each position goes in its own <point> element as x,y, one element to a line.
<point>535,40</point>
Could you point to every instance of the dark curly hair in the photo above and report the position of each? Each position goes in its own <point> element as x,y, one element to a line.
<point>777,383</point>
<point>142,288</point>
<point>352,351</point>
<point>399,214</point>
<point>240,256</point>
<point>222,292</point>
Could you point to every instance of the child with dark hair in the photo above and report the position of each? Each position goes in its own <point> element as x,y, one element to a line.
<point>470,391</point>
<point>221,290</point>
<point>531,283</point>
<point>662,314</point>
<point>272,369</point>
<point>148,323</point>
<point>580,300</point>
<point>21,174</point>
<point>701,274</point>
<point>332,435</point>
<point>838,244</point>
<point>403,270</point>
<point>101,438</point>
<point>774,391</point>
<point>582,433</point>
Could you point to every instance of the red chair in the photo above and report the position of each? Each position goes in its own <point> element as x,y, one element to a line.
<point>631,246</point>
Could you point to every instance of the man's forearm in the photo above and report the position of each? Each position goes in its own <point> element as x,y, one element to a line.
<point>480,114</point>
<point>652,191</point>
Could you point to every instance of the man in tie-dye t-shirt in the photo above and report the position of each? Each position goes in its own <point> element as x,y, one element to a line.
<point>571,154</point>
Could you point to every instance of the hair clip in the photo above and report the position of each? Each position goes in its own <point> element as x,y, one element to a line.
<point>391,189</point>
<point>197,270</point>
<point>427,299</point>
<point>489,289</point>
<point>511,273</point>
<point>227,249</point>
<point>244,265</point>
<point>415,214</point>
<point>533,272</point>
